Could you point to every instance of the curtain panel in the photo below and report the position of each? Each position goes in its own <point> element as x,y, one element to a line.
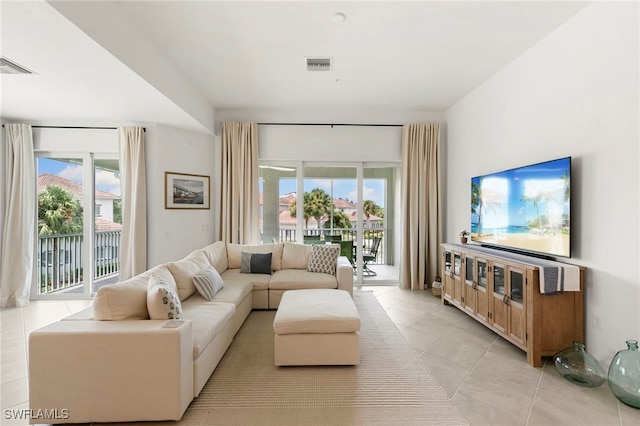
<point>421,205</point>
<point>239,203</point>
<point>133,245</point>
<point>17,241</point>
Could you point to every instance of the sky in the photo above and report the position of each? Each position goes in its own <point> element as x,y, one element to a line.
<point>105,180</point>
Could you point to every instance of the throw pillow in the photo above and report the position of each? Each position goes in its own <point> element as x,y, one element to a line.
<point>208,282</point>
<point>324,258</point>
<point>163,302</point>
<point>255,263</point>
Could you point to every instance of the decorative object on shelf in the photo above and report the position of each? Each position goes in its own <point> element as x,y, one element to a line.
<point>436,286</point>
<point>580,367</point>
<point>463,236</point>
<point>624,375</point>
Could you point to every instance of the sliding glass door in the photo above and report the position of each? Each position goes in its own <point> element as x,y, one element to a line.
<point>78,224</point>
<point>314,203</point>
<point>379,193</point>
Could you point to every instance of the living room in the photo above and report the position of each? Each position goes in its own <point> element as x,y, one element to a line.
<point>574,92</point>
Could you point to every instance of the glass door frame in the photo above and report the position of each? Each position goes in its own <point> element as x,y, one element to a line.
<point>88,217</point>
<point>359,166</point>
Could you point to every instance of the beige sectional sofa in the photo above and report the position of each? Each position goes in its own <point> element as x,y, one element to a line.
<point>111,363</point>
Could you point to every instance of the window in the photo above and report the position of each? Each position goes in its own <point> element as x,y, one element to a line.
<point>83,166</point>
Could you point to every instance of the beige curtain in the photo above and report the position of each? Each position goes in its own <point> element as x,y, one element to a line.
<point>421,206</point>
<point>133,245</point>
<point>239,208</point>
<point>17,239</point>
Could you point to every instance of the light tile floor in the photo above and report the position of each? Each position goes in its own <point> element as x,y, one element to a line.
<point>487,378</point>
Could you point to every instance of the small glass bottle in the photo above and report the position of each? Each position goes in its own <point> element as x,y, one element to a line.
<point>580,367</point>
<point>624,375</point>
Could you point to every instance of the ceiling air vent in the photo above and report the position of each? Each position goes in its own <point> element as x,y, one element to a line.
<point>9,67</point>
<point>318,64</point>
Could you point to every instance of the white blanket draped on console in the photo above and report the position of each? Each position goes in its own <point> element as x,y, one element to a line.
<point>554,276</point>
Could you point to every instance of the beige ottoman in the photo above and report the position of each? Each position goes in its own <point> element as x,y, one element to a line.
<point>317,327</point>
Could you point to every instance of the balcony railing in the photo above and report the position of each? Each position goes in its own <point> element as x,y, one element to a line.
<point>342,234</point>
<point>60,260</point>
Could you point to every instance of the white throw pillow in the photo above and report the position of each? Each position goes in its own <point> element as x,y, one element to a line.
<point>208,282</point>
<point>324,258</point>
<point>163,302</point>
<point>295,256</point>
<point>184,270</point>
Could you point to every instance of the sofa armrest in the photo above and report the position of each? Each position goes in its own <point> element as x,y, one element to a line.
<point>111,371</point>
<point>344,274</point>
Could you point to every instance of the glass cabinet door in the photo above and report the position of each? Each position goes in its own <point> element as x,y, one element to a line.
<point>447,262</point>
<point>517,317</point>
<point>480,286</point>
<point>457,261</point>
<point>498,280</point>
<point>499,306</point>
<point>469,291</point>
<point>516,280</point>
<point>481,271</point>
<point>468,269</point>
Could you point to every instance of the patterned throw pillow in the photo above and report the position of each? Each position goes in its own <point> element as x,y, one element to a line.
<point>163,302</point>
<point>255,263</point>
<point>324,258</point>
<point>208,282</point>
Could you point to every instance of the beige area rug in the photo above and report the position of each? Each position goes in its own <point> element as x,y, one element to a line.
<point>389,387</point>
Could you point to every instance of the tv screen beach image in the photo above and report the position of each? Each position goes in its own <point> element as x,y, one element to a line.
<point>527,208</point>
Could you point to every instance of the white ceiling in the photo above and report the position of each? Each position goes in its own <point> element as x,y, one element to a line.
<point>176,62</point>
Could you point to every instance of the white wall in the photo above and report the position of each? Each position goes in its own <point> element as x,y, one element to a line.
<point>172,234</point>
<point>574,94</point>
<point>326,143</point>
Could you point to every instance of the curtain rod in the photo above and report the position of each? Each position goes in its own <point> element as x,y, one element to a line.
<point>330,124</point>
<point>77,127</point>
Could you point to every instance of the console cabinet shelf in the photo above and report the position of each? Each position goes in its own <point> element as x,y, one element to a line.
<point>503,294</point>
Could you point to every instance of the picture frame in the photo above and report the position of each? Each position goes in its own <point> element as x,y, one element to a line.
<point>186,191</point>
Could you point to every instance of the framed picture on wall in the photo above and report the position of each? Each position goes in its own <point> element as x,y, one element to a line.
<point>186,191</point>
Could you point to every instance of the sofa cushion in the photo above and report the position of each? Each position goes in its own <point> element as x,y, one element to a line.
<point>233,292</point>
<point>234,253</point>
<point>258,281</point>
<point>290,279</point>
<point>128,299</point>
<point>184,270</point>
<point>295,256</point>
<point>162,301</point>
<point>208,319</point>
<point>216,253</point>
<point>208,282</point>
<point>256,263</point>
<point>324,258</point>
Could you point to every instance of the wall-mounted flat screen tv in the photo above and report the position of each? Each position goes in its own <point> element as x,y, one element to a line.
<point>526,209</point>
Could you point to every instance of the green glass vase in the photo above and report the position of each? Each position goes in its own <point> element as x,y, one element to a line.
<point>624,375</point>
<point>580,367</point>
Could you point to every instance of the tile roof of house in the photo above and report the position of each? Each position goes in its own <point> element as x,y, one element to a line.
<point>286,200</point>
<point>47,179</point>
<point>103,225</point>
<point>340,203</point>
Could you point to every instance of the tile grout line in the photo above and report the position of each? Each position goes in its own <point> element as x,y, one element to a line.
<point>535,394</point>
<point>495,339</point>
